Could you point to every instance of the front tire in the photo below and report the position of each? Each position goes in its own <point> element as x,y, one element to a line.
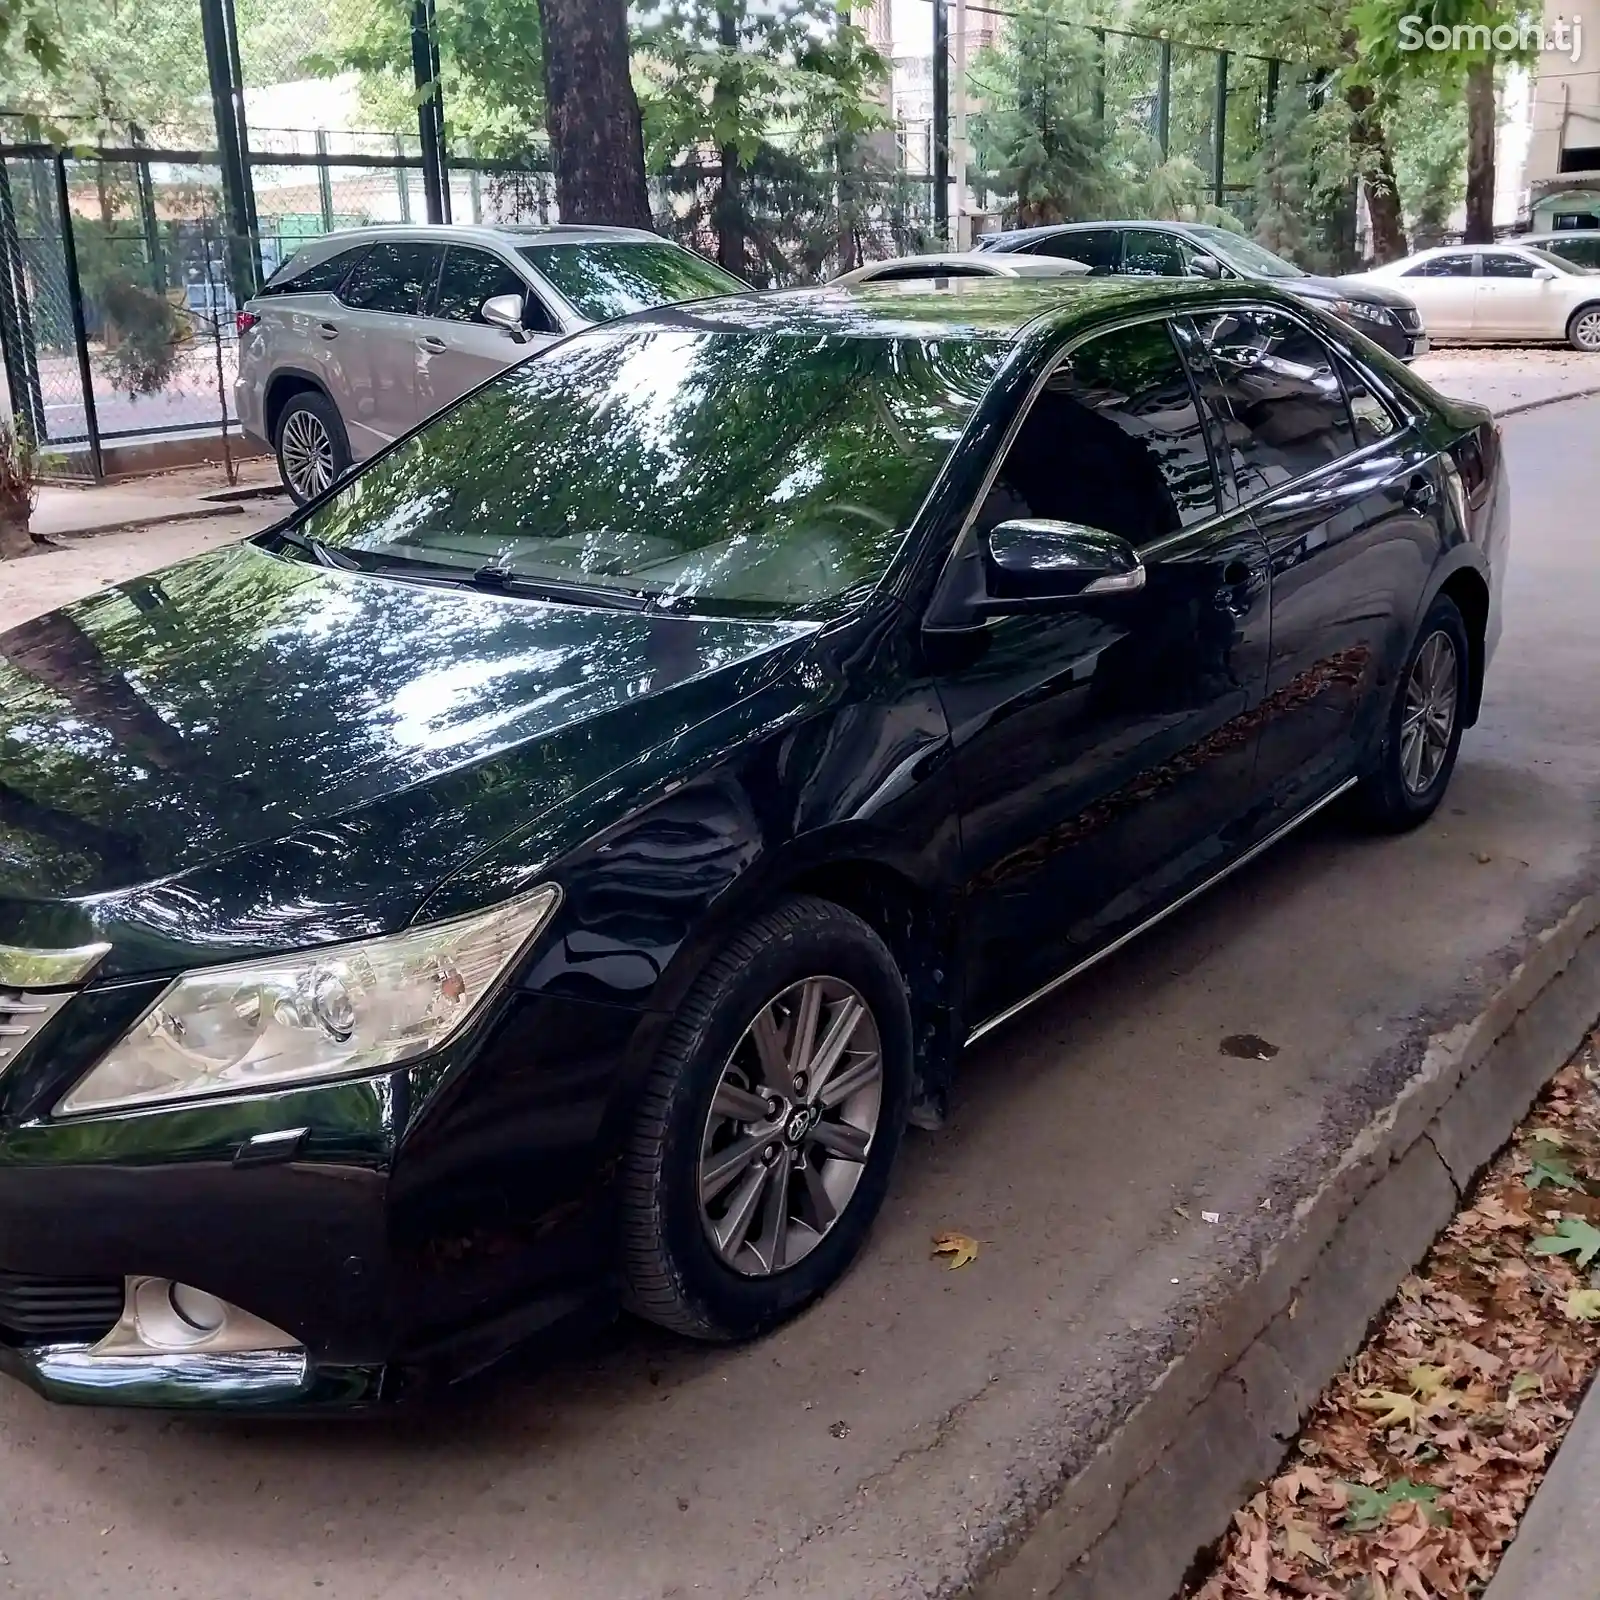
<point>1583,330</point>
<point>1423,734</point>
<point>313,451</point>
<point>768,1126</point>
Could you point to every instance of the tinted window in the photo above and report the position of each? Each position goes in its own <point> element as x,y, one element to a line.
<point>1154,255</point>
<point>1585,252</point>
<point>394,277</point>
<point>1441,267</point>
<point>1113,441</point>
<point>1286,407</point>
<point>472,276</point>
<point>1369,411</point>
<point>911,270</point>
<point>1504,264</point>
<point>313,277</point>
<point>602,281</point>
<point>751,473</point>
<point>1099,249</point>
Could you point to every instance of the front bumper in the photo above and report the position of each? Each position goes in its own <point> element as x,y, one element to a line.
<point>263,1381</point>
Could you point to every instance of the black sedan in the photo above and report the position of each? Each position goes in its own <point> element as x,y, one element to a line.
<point>550,871</point>
<point>1199,250</point>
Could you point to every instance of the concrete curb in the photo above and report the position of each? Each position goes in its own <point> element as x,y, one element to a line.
<point>154,520</point>
<point>1548,400</point>
<point>1166,1482</point>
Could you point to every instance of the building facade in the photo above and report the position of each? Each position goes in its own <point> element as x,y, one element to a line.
<point>1564,149</point>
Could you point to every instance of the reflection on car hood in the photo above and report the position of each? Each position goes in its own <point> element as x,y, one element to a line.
<point>1314,288</point>
<point>247,749</point>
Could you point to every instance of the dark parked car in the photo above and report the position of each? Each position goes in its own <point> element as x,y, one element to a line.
<point>549,871</point>
<point>1198,250</point>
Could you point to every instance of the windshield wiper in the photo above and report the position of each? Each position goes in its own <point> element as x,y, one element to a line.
<point>324,555</point>
<point>582,594</point>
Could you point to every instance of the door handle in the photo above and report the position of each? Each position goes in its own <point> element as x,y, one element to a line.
<point>1420,495</point>
<point>328,330</point>
<point>433,343</point>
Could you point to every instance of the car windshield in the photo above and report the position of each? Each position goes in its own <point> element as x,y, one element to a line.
<point>736,473</point>
<point>604,280</point>
<point>1244,254</point>
<point>1547,258</point>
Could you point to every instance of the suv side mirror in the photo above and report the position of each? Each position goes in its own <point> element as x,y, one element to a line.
<point>1034,564</point>
<point>1204,267</point>
<point>504,311</point>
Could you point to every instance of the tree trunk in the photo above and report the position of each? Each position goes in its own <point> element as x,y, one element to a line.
<point>730,202</point>
<point>1377,174</point>
<point>1480,152</point>
<point>596,141</point>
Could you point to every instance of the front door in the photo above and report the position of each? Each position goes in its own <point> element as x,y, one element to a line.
<point>1346,498</point>
<point>376,341</point>
<point>1103,754</point>
<point>457,350</point>
<point>1509,302</point>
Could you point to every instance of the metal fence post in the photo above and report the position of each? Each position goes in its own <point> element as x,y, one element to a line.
<point>80,331</point>
<point>1100,77</point>
<point>154,257</point>
<point>324,181</point>
<point>402,178</point>
<point>1164,100</point>
<point>430,109</point>
<point>16,324</point>
<point>1219,129</point>
<point>243,265</point>
<point>247,185</point>
<point>941,119</point>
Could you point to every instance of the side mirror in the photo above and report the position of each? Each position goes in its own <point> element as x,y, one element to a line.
<point>504,311</point>
<point>1545,274</point>
<point>1032,564</point>
<point>1204,267</point>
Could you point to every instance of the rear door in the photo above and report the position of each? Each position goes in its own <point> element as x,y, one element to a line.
<point>1444,289</point>
<point>1346,494</point>
<point>457,349</point>
<point>374,337</point>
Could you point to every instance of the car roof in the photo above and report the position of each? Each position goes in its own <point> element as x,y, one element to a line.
<point>516,236</point>
<point>998,308</point>
<point>1046,228</point>
<point>991,262</point>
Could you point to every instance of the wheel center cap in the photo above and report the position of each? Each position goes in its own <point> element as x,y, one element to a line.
<point>801,1120</point>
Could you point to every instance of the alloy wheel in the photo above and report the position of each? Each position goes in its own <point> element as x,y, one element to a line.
<point>1586,330</point>
<point>307,454</point>
<point>1428,720</point>
<point>790,1126</point>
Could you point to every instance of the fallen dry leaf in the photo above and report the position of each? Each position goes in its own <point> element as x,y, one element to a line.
<point>956,1248</point>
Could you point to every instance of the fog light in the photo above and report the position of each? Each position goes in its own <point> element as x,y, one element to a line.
<point>167,1318</point>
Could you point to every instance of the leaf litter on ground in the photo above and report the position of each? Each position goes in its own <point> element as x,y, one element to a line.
<point>1415,1466</point>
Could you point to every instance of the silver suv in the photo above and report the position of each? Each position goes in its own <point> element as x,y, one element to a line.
<point>361,335</point>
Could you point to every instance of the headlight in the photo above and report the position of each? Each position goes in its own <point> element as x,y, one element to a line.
<point>328,1013</point>
<point>1362,311</point>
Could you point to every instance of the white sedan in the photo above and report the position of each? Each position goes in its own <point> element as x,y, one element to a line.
<point>965,264</point>
<point>1490,293</point>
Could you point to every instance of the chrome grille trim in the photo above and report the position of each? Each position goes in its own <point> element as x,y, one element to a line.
<point>22,1015</point>
<point>48,969</point>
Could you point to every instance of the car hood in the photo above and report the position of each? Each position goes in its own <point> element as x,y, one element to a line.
<point>1352,288</point>
<point>245,752</point>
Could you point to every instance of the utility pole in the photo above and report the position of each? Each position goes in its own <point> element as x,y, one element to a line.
<point>941,119</point>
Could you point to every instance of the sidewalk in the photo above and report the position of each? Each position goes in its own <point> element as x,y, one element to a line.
<point>1510,380</point>
<point>69,509</point>
<point>1553,1554</point>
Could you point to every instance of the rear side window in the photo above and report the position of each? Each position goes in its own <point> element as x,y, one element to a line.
<point>1581,252</point>
<point>1441,267</point>
<point>1114,441</point>
<point>394,277</point>
<point>1285,406</point>
<point>1369,412</point>
<point>313,277</point>
<point>1097,248</point>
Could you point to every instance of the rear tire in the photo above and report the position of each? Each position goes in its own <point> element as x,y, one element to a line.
<point>1423,735</point>
<point>1583,329</point>
<point>748,1187</point>
<point>313,450</point>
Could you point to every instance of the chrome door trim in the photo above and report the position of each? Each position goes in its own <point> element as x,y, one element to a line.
<point>1161,915</point>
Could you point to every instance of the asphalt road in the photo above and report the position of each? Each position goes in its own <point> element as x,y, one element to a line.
<point>873,1447</point>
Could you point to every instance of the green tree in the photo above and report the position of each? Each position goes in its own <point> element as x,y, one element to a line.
<point>774,90</point>
<point>1428,129</point>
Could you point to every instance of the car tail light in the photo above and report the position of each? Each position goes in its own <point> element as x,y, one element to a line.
<point>244,321</point>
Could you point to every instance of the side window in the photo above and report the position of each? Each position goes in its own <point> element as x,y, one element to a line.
<point>1114,441</point>
<point>1286,407</point>
<point>1369,411</point>
<point>1097,248</point>
<point>469,278</point>
<point>316,277</point>
<point>1507,264</point>
<point>1150,254</point>
<point>1441,267</point>
<point>394,277</point>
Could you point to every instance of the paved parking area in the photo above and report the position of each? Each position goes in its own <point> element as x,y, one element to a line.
<point>885,1443</point>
